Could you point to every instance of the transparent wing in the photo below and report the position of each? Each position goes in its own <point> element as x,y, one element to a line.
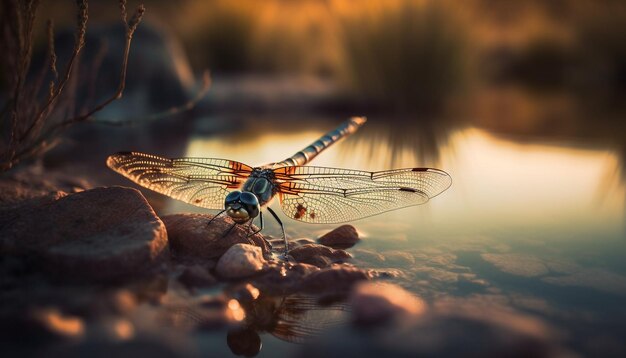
<point>203,182</point>
<point>300,318</point>
<point>332,195</point>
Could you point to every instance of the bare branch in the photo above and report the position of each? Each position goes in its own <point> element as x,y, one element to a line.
<point>51,53</point>
<point>204,89</point>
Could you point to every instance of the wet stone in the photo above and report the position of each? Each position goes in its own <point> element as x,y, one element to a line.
<point>279,278</point>
<point>190,236</point>
<point>102,233</point>
<point>304,269</point>
<point>240,261</point>
<point>336,278</point>
<point>318,255</point>
<point>342,237</point>
<point>379,302</point>
<point>300,242</point>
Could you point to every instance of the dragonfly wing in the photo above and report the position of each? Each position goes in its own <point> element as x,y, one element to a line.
<point>203,182</point>
<point>332,195</point>
<point>300,318</point>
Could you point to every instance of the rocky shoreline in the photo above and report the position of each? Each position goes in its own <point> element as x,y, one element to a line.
<point>97,268</point>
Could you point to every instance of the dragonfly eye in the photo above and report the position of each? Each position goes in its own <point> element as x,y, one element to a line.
<point>250,203</point>
<point>249,199</point>
<point>232,197</point>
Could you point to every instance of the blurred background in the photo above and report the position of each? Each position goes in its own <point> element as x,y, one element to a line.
<point>550,71</point>
<point>522,102</point>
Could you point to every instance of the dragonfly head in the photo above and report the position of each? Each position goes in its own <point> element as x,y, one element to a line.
<point>241,206</point>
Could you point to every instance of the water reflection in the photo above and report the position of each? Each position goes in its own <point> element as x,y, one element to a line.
<point>292,318</point>
<point>536,226</point>
<point>496,182</point>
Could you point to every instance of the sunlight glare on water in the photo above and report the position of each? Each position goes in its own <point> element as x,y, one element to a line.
<point>497,183</point>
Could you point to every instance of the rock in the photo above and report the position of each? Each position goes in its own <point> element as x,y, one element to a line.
<point>280,277</point>
<point>334,279</point>
<point>304,269</point>
<point>278,244</point>
<point>197,276</point>
<point>35,182</point>
<point>342,237</point>
<point>241,260</point>
<point>190,236</point>
<point>378,302</point>
<point>102,233</point>
<point>318,255</point>
<point>300,242</point>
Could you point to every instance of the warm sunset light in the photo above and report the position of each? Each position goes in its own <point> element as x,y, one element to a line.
<point>313,178</point>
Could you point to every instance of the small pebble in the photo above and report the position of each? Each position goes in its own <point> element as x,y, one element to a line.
<point>378,302</point>
<point>342,237</point>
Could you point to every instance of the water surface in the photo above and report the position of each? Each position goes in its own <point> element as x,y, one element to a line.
<point>533,227</point>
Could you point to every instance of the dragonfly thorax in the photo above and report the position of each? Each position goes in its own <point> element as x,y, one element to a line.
<point>260,184</point>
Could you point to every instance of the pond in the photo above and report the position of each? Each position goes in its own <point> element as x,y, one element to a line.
<point>529,229</point>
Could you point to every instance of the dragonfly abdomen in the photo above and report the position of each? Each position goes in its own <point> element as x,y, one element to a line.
<point>307,154</point>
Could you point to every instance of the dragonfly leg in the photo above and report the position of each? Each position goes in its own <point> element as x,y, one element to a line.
<point>214,217</point>
<point>261,229</point>
<point>262,224</point>
<point>282,229</point>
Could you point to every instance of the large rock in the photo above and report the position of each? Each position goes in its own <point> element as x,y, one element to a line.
<point>378,302</point>
<point>240,261</point>
<point>318,255</point>
<point>191,236</point>
<point>342,237</point>
<point>96,234</point>
<point>33,182</point>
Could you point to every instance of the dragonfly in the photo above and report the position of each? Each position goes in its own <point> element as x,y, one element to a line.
<point>310,194</point>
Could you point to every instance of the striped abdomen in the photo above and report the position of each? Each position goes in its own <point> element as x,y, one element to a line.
<point>307,154</point>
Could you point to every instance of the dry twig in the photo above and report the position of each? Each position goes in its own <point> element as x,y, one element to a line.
<point>29,125</point>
